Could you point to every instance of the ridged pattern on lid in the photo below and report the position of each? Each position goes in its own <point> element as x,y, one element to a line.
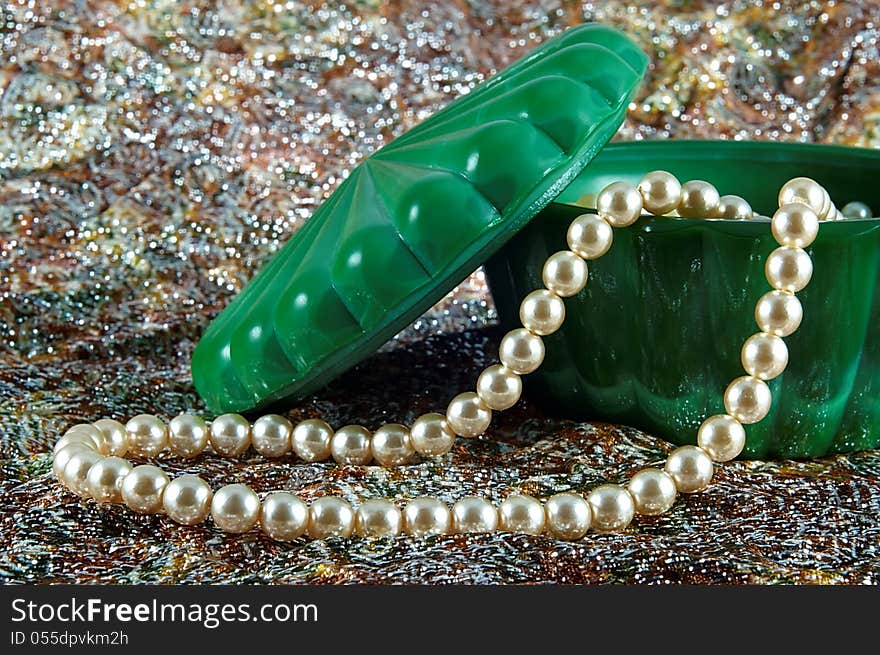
<point>415,218</point>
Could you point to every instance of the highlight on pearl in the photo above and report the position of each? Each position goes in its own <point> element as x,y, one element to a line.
<point>722,437</point>
<point>378,518</point>
<point>147,435</point>
<point>779,313</point>
<point>115,437</point>
<point>805,191</point>
<point>653,492</point>
<point>187,499</point>
<point>691,468</point>
<point>235,508</point>
<point>426,517</point>
<point>764,356</point>
<point>330,516</point>
<point>311,440</point>
<point>431,435</point>
<point>104,479</point>
<point>521,351</point>
<point>230,435</point>
<point>568,516</point>
<point>392,445</point>
<point>542,312</point>
<point>590,236</point>
<point>734,208</point>
<point>76,470</point>
<point>284,516</point>
<point>142,488</point>
<point>473,514</point>
<point>795,225</point>
<point>351,445</point>
<point>564,273</point>
<point>789,269</point>
<point>523,514</point>
<point>619,203</point>
<point>187,435</point>
<point>661,192</point>
<point>270,435</point>
<point>499,387</point>
<point>611,508</point>
<point>699,199</point>
<point>747,399</point>
<point>467,415</point>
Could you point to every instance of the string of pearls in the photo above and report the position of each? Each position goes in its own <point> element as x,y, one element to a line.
<point>89,458</point>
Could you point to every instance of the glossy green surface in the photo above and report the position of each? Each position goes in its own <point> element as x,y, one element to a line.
<point>655,337</point>
<point>415,218</point>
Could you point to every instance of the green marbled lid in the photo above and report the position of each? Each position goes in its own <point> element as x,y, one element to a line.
<point>416,218</point>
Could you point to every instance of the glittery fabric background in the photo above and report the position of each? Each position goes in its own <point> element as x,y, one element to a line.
<point>154,154</point>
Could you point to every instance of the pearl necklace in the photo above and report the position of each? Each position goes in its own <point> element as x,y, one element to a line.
<point>88,457</point>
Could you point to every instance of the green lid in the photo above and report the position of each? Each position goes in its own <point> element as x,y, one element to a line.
<point>416,218</point>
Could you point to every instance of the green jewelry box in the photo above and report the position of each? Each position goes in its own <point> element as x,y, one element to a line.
<point>655,336</point>
<point>420,214</point>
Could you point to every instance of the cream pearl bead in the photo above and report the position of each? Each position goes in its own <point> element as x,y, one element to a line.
<point>747,399</point>
<point>521,351</point>
<point>734,208</point>
<point>230,435</point>
<point>424,517</point>
<point>311,440</point>
<point>653,491</point>
<point>828,208</point>
<point>522,514</point>
<point>330,516</point>
<point>722,437</point>
<point>690,467</point>
<point>499,387</point>
<point>187,435</point>
<point>779,313</point>
<point>378,518</point>
<point>568,516</point>
<point>564,273</point>
<point>351,445</point>
<point>764,356</point>
<point>284,516</point>
<point>235,508</point>
<point>619,203</point>
<point>78,438</point>
<point>76,470</point>
<point>89,430</point>
<point>661,192</point>
<point>542,312</point>
<point>187,499</point>
<point>699,199</point>
<point>856,209</point>
<point>473,514</point>
<point>270,435</point>
<point>104,479</point>
<point>805,191</point>
<point>794,225</point>
<point>467,415</point>
<point>147,435</point>
<point>788,269</point>
<point>63,455</point>
<point>612,508</point>
<point>392,445</point>
<point>115,436</point>
<point>590,236</point>
<point>431,435</point>
<point>142,488</point>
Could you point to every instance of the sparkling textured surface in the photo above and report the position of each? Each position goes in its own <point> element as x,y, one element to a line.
<point>154,154</point>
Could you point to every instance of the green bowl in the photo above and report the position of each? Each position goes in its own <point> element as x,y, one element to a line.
<point>655,337</point>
